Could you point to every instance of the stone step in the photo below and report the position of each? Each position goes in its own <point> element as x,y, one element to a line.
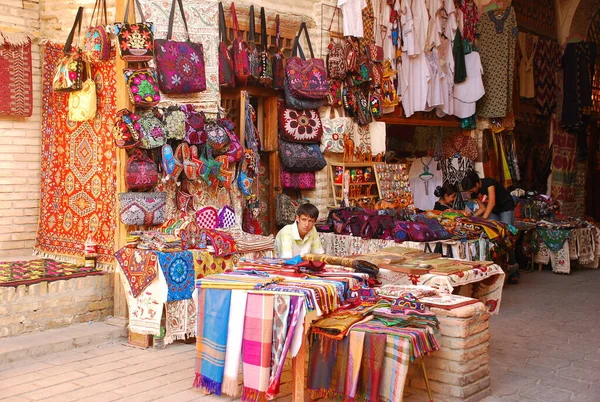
<point>35,345</point>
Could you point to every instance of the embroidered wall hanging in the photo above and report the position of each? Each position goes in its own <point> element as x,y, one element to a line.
<point>78,180</point>
<point>15,75</point>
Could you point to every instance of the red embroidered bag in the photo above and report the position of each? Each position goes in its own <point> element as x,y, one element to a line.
<point>299,181</point>
<point>141,171</point>
<point>135,40</point>
<point>226,75</point>
<point>180,65</point>
<point>300,125</point>
<point>194,125</point>
<point>351,50</point>
<point>306,78</point>
<point>143,86</point>
<point>241,67</point>
<point>126,130</point>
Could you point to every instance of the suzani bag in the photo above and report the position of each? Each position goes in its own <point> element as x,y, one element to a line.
<point>298,180</point>
<point>152,129</point>
<point>226,74</point>
<point>180,65</point>
<point>306,78</point>
<point>174,119</point>
<point>70,70</point>
<point>142,86</point>
<point>135,40</point>
<point>96,44</point>
<point>241,66</point>
<point>299,103</point>
<point>126,130</point>
<point>194,125</point>
<point>300,125</point>
<point>140,171</point>
<point>296,157</point>
<point>142,208</point>
<point>334,130</point>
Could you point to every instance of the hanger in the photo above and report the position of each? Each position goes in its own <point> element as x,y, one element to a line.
<point>575,38</point>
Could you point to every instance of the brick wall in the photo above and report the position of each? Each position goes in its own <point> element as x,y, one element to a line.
<point>47,305</point>
<point>20,148</point>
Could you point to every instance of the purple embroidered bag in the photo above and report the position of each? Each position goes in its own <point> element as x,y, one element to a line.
<point>180,65</point>
<point>300,181</point>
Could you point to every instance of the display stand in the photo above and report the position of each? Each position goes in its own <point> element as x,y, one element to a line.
<point>363,182</point>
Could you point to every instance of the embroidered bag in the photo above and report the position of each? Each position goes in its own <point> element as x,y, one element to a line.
<point>351,54</point>
<point>389,96</point>
<point>336,59</point>
<point>306,78</point>
<point>96,44</point>
<point>174,122</point>
<point>126,130</point>
<point>135,40</point>
<point>278,60</point>
<point>435,226</point>
<point>226,75</point>
<point>82,103</point>
<point>244,184</point>
<point>69,71</point>
<point>362,109</point>
<point>299,103</point>
<point>142,86</point>
<point>207,217</point>
<point>226,218</point>
<point>285,209</point>
<point>298,180</point>
<point>152,129</point>
<point>142,208</point>
<point>335,93</point>
<point>234,150</point>
<point>140,171</point>
<point>334,130</point>
<point>254,60</point>
<point>180,65</point>
<point>241,66</point>
<point>375,75</point>
<point>194,125</point>
<point>419,232</point>
<point>296,157</point>
<point>267,54</point>
<point>375,105</point>
<point>300,125</point>
<point>216,136</point>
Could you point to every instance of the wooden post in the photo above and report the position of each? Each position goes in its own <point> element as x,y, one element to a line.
<point>120,301</point>
<point>298,370</point>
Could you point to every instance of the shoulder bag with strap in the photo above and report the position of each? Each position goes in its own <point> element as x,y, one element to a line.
<point>82,104</point>
<point>226,75</point>
<point>96,43</point>
<point>180,65</point>
<point>267,54</point>
<point>241,67</point>
<point>70,70</point>
<point>253,55</point>
<point>278,60</point>
<point>135,40</point>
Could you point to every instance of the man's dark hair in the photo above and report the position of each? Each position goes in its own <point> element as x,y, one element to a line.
<point>469,181</point>
<point>308,210</point>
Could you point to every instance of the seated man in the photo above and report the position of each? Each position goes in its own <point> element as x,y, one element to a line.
<point>300,237</point>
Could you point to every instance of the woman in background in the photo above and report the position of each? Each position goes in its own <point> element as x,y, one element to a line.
<point>446,195</point>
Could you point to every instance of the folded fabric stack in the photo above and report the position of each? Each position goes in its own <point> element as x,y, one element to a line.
<point>249,243</point>
<point>155,240</point>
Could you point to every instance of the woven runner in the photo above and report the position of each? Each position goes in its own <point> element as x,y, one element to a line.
<point>16,97</point>
<point>15,273</point>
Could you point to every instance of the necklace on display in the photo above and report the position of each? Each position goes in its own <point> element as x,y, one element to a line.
<point>426,176</point>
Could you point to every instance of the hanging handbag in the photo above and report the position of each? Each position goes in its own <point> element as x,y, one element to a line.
<point>226,74</point>
<point>375,103</point>
<point>296,157</point>
<point>285,209</point>
<point>180,65</point>
<point>216,136</point>
<point>142,208</point>
<point>306,78</point>
<point>82,103</point>
<point>152,129</point>
<point>267,54</point>
<point>278,59</point>
<point>298,180</point>
<point>174,119</point>
<point>300,125</point>
<point>299,103</point>
<point>241,67</point>
<point>126,130</point>
<point>336,58</point>
<point>253,55</point>
<point>194,125</point>
<point>142,86</point>
<point>334,130</point>
<point>362,108</point>
<point>96,44</point>
<point>140,171</point>
<point>351,55</point>
<point>335,93</point>
<point>135,40</point>
<point>69,71</point>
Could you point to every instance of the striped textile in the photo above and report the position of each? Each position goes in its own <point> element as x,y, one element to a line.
<point>256,346</point>
<point>395,368</point>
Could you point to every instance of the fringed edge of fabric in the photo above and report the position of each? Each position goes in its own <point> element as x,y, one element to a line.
<point>9,38</point>
<point>230,386</point>
<point>322,393</point>
<point>253,395</point>
<point>108,267</point>
<point>144,331</point>
<point>179,337</point>
<point>210,385</point>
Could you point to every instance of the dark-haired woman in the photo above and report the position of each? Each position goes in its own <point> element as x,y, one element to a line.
<point>446,195</point>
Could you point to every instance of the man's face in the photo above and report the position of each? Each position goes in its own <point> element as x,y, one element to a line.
<point>305,224</point>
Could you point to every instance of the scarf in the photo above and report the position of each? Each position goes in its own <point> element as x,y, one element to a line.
<point>322,361</point>
<point>178,269</point>
<point>554,238</point>
<point>235,333</point>
<point>372,366</point>
<point>356,347</point>
<point>280,349</point>
<point>256,346</point>
<point>395,368</point>
<point>214,339</point>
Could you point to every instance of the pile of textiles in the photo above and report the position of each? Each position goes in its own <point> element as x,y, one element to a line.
<point>248,242</point>
<point>155,240</point>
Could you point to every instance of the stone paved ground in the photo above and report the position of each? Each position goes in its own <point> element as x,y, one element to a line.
<point>544,347</point>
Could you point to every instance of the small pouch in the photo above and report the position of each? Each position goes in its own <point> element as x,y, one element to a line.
<point>142,86</point>
<point>194,125</point>
<point>152,129</point>
<point>174,119</point>
<point>126,130</point>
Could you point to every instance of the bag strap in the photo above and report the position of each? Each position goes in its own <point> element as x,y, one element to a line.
<point>222,24</point>
<point>76,24</point>
<point>234,22</point>
<point>140,12</point>
<point>172,20</point>
<point>263,29</point>
<point>101,7</point>
<point>335,11</point>
<point>277,32</point>
<point>251,26</point>
<point>297,48</point>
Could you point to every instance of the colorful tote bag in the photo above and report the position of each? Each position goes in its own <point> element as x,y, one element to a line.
<point>278,59</point>
<point>334,130</point>
<point>82,103</point>
<point>96,44</point>
<point>300,125</point>
<point>135,40</point>
<point>296,157</point>
<point>70,70</point>
<point>142,208</point>
<point>142,86</point>
<point>180,65</point>
<point>307,78</point>
<point>140,171</point>
<point>126,130</point>
<point>241,65</point>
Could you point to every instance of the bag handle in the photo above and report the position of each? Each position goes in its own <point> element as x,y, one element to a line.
<point>277,33</point>
<point>297,48</point>
<point>263,29</point>
<point>222,23</point>
<point>101,10</point>
<point>139,7</point>
<point>172,20</point>
<point>234,22</point>
<point>251,26</point>
<point>335,11</point>
<point>76,24</point>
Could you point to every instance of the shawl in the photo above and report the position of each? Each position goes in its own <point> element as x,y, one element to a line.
<point>256,346</point>
<point>395,368</point>
<point>235,333</point>
<point>336,326</point>
<point>213,339</point>
<point>139,268</point>
<point>322,360</point>
<point>281,311</point>
<point>180,320</point>
<point>356,340</point>
<point>371,366</point>
<point>178,269</point>
<point>280,352</point>
<point>554,238</point>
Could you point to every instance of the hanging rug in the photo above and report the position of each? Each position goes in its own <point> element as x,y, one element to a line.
<point>15,273</point>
